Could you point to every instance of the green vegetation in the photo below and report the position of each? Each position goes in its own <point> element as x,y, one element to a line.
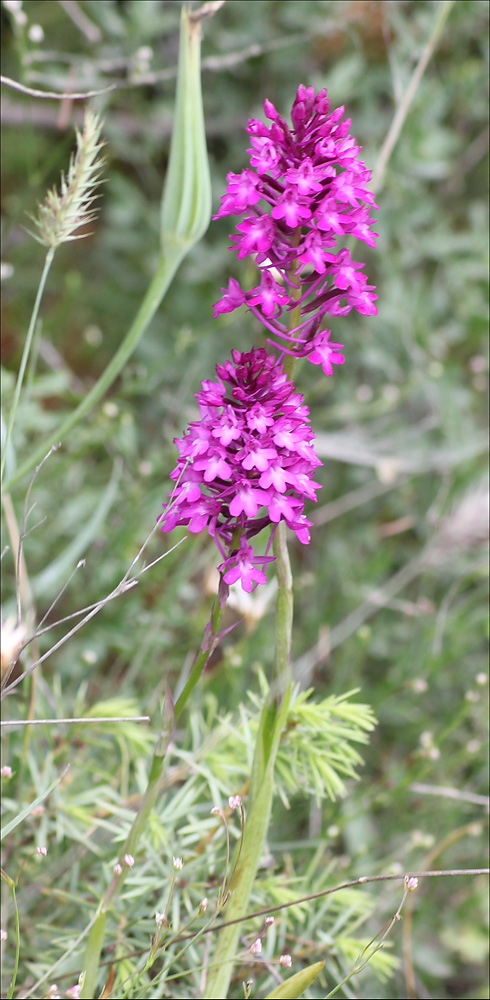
<point>390,617</point>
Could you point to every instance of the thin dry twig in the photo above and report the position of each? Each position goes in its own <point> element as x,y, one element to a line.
<point>51,94</point>
<point>274,909</point>
<point>468,829</point>
<point>91,31</point>
<point>71,722</point>
<point>450,793</point>
<point>363,880</point>
<point>124,585</point>
<point>404,107</point>
<point>355,498</point>
<point>207,10</point>
<point>377,599</point>
<point>24,532</point>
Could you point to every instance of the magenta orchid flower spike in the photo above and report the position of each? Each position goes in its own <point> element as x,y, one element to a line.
<point>247,463</point>
<point>304,192</point>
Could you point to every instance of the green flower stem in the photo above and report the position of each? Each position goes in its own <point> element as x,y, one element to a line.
<point>272,722</point>
<point>273,719</point>
<point>201,659</point>
<point>161,280</point>
<point>12,884</point>
<point>92,957</point>
<point>186,211</point>
<point>97,931</point>
<point>284,604</point>
<point>284,609</point>
<point>23,365</point>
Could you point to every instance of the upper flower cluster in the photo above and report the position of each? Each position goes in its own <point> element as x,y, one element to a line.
<point>305,190</point>
<point>247,462</point>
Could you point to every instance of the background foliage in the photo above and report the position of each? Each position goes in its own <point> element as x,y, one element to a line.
<point>390,597</point>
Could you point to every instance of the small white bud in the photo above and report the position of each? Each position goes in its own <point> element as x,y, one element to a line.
<point>411,882</point>
<point>178,864</point>
<point>286,961</point>
<point>35,33</point>
<point>128,860</point>
<point>144,53</point>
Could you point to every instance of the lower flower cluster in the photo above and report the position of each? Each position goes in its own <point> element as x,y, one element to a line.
<point>247,463</point>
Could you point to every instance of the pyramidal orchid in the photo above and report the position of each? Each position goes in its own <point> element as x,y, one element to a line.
<point>247,463</point>
<point>305,191</point>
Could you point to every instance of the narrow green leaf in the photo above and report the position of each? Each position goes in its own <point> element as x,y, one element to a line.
<point>295,986</point>
<point>8,827</point>
<point>186,205</point>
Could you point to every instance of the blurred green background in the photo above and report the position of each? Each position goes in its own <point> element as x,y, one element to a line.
<point>391,596</point>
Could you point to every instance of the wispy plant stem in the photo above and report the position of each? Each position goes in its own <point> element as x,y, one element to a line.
<point>12,883</point>
<point>140,822</point>
<point>284,610</point>
<point>159,284</point>
<point>186,211</point>
<point>442,12</point>
<point>201,659</point>
<point>23,364</point>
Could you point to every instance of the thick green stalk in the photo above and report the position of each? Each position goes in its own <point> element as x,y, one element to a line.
<point>284,603</point>
<point>284,610</point>
<point>272,723</point>
<point>186,211</point>
<point>159,284</point>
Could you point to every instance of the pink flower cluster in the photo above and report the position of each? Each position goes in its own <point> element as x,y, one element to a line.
<point>305,190</point>
<point>247,462</point>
